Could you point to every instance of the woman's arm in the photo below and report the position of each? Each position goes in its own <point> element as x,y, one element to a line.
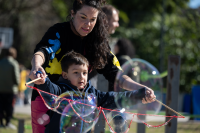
<point>37,62</point>
<point>110,72</point>
<point>128,84</point>
<point>45,50</point>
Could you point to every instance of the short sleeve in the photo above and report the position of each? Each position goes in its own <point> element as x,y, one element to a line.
<point>111,68</point>
<point>50,43</point>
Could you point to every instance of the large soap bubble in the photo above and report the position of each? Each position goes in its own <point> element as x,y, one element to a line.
<point>80,114</point>
<point>144,73</point>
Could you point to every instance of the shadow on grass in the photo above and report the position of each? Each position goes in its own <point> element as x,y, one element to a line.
<point>27,124</point>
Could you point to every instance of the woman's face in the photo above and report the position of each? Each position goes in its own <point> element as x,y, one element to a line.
<point>85,19</point>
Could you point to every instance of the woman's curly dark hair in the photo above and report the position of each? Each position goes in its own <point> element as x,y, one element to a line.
<point>96,42</point>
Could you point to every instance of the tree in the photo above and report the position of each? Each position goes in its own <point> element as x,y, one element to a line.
<point>29,20</point>
<point>181,35</point>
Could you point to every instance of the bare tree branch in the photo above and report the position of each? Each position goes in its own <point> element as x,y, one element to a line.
<point>17,6</point>
<point>29,7</point>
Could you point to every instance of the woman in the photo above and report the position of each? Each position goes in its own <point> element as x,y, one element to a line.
<point>85,33</point>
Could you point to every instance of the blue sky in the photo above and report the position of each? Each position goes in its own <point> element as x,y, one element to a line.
<point>194,3</point>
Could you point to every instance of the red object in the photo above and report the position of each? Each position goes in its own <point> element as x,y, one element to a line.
<point>36,114</point>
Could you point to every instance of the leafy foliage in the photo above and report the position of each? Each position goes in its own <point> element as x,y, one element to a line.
<point>180,37</point>
<point>62,8</point>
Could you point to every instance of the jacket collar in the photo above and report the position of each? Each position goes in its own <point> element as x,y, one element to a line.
<point>66,81</point>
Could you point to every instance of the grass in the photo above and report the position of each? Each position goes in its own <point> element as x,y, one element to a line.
<point>14,121</point>
<point>186,127</point>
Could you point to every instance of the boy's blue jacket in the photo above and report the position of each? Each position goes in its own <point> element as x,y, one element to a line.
<point>104,99</point>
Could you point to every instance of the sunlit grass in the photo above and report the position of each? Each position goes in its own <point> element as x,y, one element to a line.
<point>186,127</point>
<point>27,124</point>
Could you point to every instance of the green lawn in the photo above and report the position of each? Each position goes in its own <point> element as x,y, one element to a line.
<point>14,121</point>
<point>187,127</point>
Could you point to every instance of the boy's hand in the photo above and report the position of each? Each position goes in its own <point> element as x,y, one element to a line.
<point>149,97</point>
<point>37,72</point>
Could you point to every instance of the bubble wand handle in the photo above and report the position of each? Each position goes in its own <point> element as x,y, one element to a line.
<point>34,80</point>
<point>168,107</point>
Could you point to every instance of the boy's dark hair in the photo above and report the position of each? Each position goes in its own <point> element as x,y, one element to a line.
<point>73,58</point>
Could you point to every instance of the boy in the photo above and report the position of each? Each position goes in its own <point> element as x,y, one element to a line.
<point>74,78</point>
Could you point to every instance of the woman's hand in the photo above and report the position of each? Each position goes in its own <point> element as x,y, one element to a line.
<point>34,74</point>
<point>149,97</point>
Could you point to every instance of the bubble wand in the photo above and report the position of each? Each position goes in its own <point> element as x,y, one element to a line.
<point>34,80</point>
<point>169,108</point>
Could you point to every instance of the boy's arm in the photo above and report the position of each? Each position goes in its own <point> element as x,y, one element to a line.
<point>107,99</point>
<point>50,87</point>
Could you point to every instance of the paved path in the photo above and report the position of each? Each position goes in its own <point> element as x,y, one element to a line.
<point>26,109</point>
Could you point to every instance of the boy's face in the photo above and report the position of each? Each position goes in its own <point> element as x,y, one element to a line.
<point>77,74</point>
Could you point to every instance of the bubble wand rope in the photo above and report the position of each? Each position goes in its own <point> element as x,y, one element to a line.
<point>154,98</point>
<point>101,110</point>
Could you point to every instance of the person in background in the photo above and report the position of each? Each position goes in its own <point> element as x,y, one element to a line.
<point>124,50</point>
<point>28,91</point>
<point>0,45</point>
<point>113,22</point>
<point>9,81</point>
<point>112,16</point>
<point>112,19</point>
<point>22,87</point>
